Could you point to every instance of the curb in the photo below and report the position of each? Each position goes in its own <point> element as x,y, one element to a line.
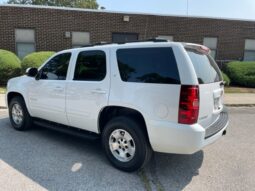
<point>240,105</point>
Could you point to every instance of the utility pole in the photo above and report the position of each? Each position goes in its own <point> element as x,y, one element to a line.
<point>187,8</point>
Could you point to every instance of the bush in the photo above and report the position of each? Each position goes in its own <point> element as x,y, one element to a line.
<point>226,79</point>
<point>9,66</point>
<point>35,60</point>
<point>241,73</point>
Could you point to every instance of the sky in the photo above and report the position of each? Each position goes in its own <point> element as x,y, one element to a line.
<point>244,9</point>
<point>240,9</point>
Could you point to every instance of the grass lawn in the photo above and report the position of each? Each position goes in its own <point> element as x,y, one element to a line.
<point>2,90</point>
<point>239,90</point>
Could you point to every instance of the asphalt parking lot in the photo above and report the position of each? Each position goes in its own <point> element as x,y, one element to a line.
<point>41,159</point>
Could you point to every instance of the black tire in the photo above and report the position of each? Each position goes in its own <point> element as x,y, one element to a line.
<point>143,150</point>
<point>27,120</point>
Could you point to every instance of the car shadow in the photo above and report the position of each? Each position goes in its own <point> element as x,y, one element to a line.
<point>174,172</point>
<point>58,161</point>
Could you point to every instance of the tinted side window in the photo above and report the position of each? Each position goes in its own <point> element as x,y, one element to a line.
<point>148,65</point>
<point>90,66</point>
<point>206,69</point>
<point>56,68</point>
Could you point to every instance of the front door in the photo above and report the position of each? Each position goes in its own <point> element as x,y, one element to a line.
<point>47,93</point>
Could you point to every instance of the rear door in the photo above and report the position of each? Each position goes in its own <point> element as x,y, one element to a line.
<point>210,86</point>
<point>88,90</point>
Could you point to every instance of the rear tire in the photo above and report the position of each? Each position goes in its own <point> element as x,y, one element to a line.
<point>19,116</point>
<point>125,144</point>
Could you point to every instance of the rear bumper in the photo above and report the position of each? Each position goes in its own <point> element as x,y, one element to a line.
<point>169,137</point>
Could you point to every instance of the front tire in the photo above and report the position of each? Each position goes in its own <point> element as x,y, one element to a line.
<point>19,116</point>
<point>125,144</point>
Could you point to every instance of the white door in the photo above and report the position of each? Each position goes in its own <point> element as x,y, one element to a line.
<point>47,93</point>
<point>87,93</point>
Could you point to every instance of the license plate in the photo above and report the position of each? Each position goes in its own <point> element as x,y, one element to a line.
<point>217,103</point>
<point>217,97</point>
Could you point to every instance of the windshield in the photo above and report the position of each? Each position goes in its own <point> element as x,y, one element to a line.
<point>206,69</point>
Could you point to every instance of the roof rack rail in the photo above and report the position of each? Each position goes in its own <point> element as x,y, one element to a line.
<point>158,40</point>
<point>107,43</point>
<point>103,43</point>
<point>84,46</point>
<point>97,44</point>
<point>147,40</point>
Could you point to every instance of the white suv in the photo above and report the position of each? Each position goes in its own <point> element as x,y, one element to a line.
<point>138,97</point>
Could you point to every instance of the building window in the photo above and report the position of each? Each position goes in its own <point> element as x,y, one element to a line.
<point>124,37</point>
<point>169,38</point>
<point>25,42</point>
<point>211,42</point>
<point>80,39</point>
<point>249,51</point>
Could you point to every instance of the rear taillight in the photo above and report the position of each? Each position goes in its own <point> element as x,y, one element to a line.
<point>189,104</point>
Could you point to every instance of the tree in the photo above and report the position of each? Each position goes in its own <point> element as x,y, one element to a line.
<point>26,2</point>
<point>89,4</point>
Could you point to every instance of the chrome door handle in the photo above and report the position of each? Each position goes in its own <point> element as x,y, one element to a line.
<point>59,88</point>
<point>98,91</point>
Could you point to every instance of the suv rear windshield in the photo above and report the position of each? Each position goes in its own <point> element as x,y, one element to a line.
<point>206,69</point>
<point>148,65</point>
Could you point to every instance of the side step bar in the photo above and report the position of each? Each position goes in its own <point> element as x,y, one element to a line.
<point>66,129</point>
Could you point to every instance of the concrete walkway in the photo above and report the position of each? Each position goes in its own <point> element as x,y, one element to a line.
<point>2,101</point>
<point>240,99</point>
<point>234,99</point>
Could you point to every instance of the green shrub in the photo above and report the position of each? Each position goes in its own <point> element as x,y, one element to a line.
<point>226,79</point>
<point>35,60</point>
<point>9,66</point>
<point>241,73</point>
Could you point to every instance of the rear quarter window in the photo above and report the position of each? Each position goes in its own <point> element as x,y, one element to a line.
<point>206,69</point>
<point>148,65</point>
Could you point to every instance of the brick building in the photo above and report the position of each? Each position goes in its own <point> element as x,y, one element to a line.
<point>25,29</point>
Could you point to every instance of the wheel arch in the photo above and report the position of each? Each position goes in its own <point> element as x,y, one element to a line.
<point>109,112</point>
<point>12,94</point>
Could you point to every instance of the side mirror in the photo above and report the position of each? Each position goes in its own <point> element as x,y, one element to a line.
<point>31,72</point>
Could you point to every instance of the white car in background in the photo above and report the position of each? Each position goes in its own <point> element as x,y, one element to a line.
<point>137,97</point>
